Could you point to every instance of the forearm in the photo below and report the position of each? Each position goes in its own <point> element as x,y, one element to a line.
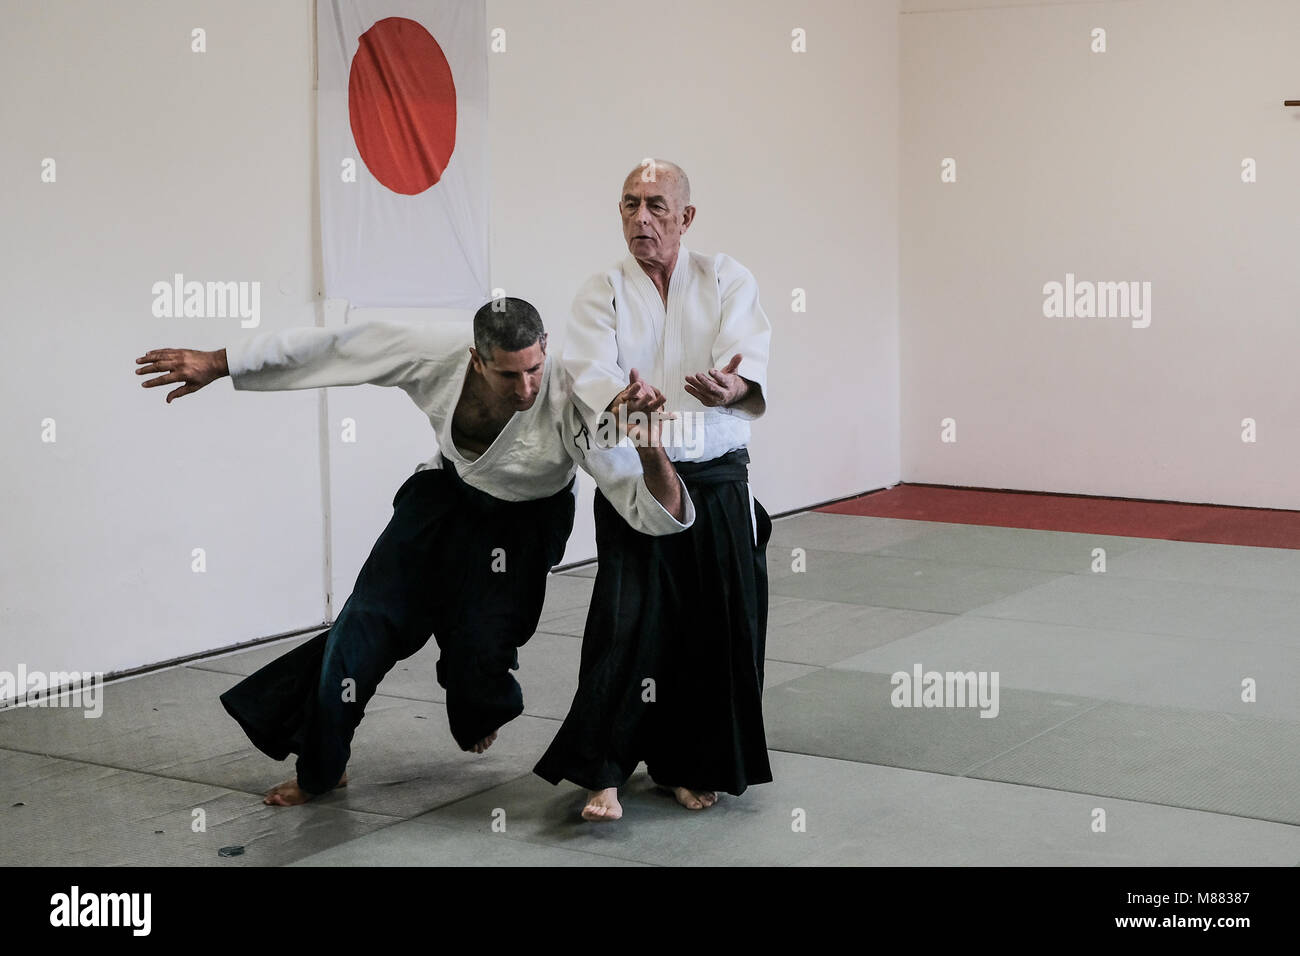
<point>750,399</point>
<point>661,478</point>
<point>744,330</point>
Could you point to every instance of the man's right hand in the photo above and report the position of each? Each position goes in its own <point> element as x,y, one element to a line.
<point>637,409</point>
<point>638,390</point>
<point>192,368</point>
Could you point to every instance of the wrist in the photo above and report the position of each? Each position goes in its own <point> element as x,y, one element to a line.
<point>742,391</point>
<point>652,453</point>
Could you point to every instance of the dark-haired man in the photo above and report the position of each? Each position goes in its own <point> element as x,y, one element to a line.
<point>474,531</point>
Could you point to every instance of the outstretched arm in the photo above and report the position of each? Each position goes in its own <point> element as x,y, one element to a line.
<point>378,353</point>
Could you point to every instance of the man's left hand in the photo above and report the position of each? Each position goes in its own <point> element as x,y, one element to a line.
<point>719,386</point>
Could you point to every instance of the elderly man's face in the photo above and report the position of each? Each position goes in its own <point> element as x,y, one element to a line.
<point>654,216</point>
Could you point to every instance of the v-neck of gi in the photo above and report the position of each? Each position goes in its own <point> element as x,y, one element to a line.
<point>667,321</point>
<point>461,461</point>
<point>650,292</point>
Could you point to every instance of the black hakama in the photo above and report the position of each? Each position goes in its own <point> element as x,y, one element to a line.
<point>436,571</point>
<point>672,654</point>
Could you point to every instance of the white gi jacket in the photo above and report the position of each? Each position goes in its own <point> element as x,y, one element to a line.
<point>534,456</point>
<point>620,323</point>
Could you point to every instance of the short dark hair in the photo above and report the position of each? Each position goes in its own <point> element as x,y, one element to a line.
<point>508,324</point>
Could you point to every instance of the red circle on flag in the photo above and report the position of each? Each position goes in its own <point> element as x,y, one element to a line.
<point>402,105</point>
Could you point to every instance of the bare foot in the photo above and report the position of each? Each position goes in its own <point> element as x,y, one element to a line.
<point>603,805</point>
<point>695,799</point>
<point>289,794</point>
<point>483,744</point>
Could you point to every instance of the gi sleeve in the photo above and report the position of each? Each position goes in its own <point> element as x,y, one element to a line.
<point>619,477</point>
<point>590,354</point>
<point>375,353</point>
<point>743,328</point>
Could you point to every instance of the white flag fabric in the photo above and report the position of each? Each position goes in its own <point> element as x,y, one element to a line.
<point>402,135</point>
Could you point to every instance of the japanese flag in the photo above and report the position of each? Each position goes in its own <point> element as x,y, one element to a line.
<point>402,135</point>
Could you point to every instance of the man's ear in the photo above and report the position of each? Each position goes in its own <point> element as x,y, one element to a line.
<point>688,217</point>
<point>475,359</point>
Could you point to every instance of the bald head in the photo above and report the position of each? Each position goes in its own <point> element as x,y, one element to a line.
<point>656,209</point>
<point>665,172</point>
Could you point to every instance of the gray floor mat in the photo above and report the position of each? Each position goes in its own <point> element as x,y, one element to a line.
<point>849,715</point>
<point>1225,763</point>
<point>77,814</point>
<point>1119,690</point>
<point>855,814</point>
<point>1181,608</point>
<point>1146,669</point>
<point>848,533</point>
<point>825,632</point>
<point>900,582</point>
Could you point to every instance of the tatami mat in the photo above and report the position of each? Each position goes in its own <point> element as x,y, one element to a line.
<point>1146,669</point>
<point>824,811</point>
<point>56,812</point>
<point>849,715</point>
<point>899,582</point>
<point>1225,763</point>
<point>1184,608</point>
<point>1120,691</point>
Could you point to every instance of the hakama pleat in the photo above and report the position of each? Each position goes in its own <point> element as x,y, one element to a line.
<point>672,654</point>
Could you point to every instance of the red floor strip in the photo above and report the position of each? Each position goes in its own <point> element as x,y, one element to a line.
<point>1214,524</point>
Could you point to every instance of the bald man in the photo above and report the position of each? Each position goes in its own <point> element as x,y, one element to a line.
<point>475,530</point>
<point>672,654</point>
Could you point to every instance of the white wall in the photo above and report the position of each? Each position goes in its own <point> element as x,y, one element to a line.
<point>169,161</point>
<point>1117,166</point>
